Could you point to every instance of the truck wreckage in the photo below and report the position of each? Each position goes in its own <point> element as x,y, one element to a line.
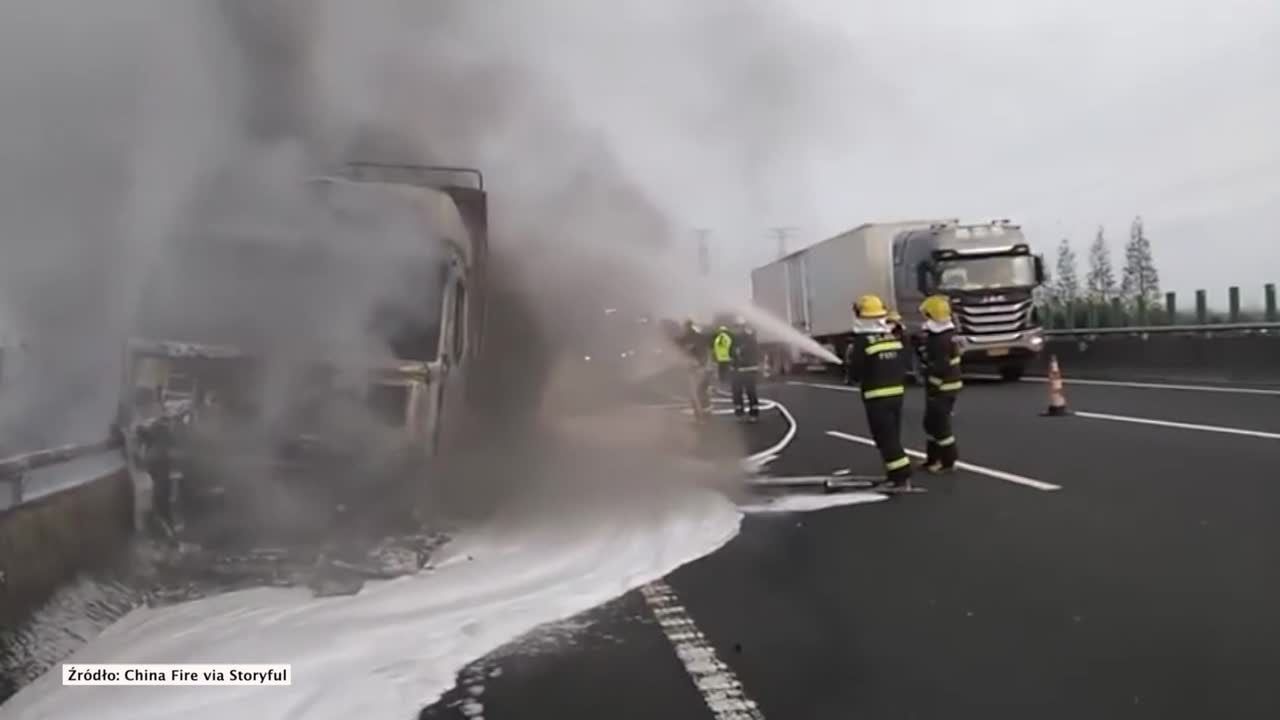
<point>289,467</point>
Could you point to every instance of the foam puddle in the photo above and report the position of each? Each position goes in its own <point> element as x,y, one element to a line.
<point>398,645</point>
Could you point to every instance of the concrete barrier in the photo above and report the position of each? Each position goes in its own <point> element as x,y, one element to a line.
<point>1229,358</point>
<point>45,541</point>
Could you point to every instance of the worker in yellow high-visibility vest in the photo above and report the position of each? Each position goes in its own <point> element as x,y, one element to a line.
<point>722,352</point>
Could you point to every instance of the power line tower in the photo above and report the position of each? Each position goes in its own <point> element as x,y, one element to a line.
<point>704,251</point>
<point>782,233</point>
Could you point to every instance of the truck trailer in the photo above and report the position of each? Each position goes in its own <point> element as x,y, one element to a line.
<point>987,270</point>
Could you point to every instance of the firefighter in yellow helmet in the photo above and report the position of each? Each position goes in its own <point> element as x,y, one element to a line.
<point>941,358</point>
<point>876,361</point>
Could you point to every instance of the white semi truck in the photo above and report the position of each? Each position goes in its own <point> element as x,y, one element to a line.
<point>987,270</point>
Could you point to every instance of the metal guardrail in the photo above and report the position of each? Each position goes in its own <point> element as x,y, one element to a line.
<point>1168,329</point>
<point>14,468</point>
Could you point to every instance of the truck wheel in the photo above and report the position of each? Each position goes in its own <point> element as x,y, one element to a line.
<point>1012,373</point>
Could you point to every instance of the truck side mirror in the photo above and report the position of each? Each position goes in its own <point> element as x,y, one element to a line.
<point>922,277</point>
<point>1040,269</point>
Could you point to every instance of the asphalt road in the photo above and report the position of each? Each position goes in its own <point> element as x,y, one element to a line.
<point>1145,586</point>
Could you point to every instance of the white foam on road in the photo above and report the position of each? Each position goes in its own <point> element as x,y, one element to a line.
<point>978,469</point>
<point>1179,425</point>
<point>398,645</point>
<point>795,503</point>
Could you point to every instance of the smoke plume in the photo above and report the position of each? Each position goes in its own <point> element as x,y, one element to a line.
<point>133,127</point>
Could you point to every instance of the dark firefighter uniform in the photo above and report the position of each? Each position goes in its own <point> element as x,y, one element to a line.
<point>877,362</point>
<point>745,357</point>
<point>158,440</point>
<point>694,344</point>
<point>941,360</point>
<point>722,351</point>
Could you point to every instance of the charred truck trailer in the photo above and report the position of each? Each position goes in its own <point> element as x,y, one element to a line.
<point>988,271</point>
<point>260,428</point>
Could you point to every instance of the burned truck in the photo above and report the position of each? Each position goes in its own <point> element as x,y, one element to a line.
<point>312,371</point>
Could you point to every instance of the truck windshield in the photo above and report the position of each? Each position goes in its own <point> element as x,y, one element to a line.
<point>229,291</point>
<point>987,273</point>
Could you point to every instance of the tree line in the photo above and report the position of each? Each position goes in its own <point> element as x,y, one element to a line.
<point>1136,291</point>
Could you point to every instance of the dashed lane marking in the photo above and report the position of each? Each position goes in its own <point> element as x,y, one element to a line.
<point>1179,425</point>
<point>978,469</point>
<point>720,688</point>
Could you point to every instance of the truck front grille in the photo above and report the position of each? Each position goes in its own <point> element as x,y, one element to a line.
<point>994,319</point>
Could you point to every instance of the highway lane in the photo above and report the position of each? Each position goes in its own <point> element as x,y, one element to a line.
<point>1144,587</point>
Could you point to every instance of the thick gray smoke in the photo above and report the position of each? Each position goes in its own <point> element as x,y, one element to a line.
<point>111,113</point>
<point>131,127</point>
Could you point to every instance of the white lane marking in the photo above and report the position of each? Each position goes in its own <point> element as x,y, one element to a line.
<point>720,688</point>
<point>1180,425</point>
<point>1146,385</point>
<point>989,472</point>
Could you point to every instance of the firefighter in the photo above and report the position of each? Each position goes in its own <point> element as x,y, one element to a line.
<point>722,351</point>
<point>158,439</point>
<point>694,344</point>
<point>877,363</point>
<point>941,358</point>
<point>746,370</point>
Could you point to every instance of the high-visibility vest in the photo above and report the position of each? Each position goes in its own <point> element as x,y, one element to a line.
<point>722,345</point>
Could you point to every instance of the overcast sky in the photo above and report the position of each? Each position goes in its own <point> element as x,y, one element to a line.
<point>1062,115</point>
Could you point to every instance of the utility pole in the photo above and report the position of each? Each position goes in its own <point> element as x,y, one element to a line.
<point>704,251</point>
<point>782,233</point>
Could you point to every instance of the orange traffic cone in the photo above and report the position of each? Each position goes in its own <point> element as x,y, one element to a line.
<point>1057,400</point>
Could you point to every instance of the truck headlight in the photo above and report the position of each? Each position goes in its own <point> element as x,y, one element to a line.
<point>1037,341</point>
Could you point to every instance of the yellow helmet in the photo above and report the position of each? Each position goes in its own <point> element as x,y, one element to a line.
<point>937,308</point>
<point>869,306</point>
<point>893,316</point>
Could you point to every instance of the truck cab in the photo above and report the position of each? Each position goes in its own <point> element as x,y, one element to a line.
<point>316,422</point>
<point>989,274</point>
